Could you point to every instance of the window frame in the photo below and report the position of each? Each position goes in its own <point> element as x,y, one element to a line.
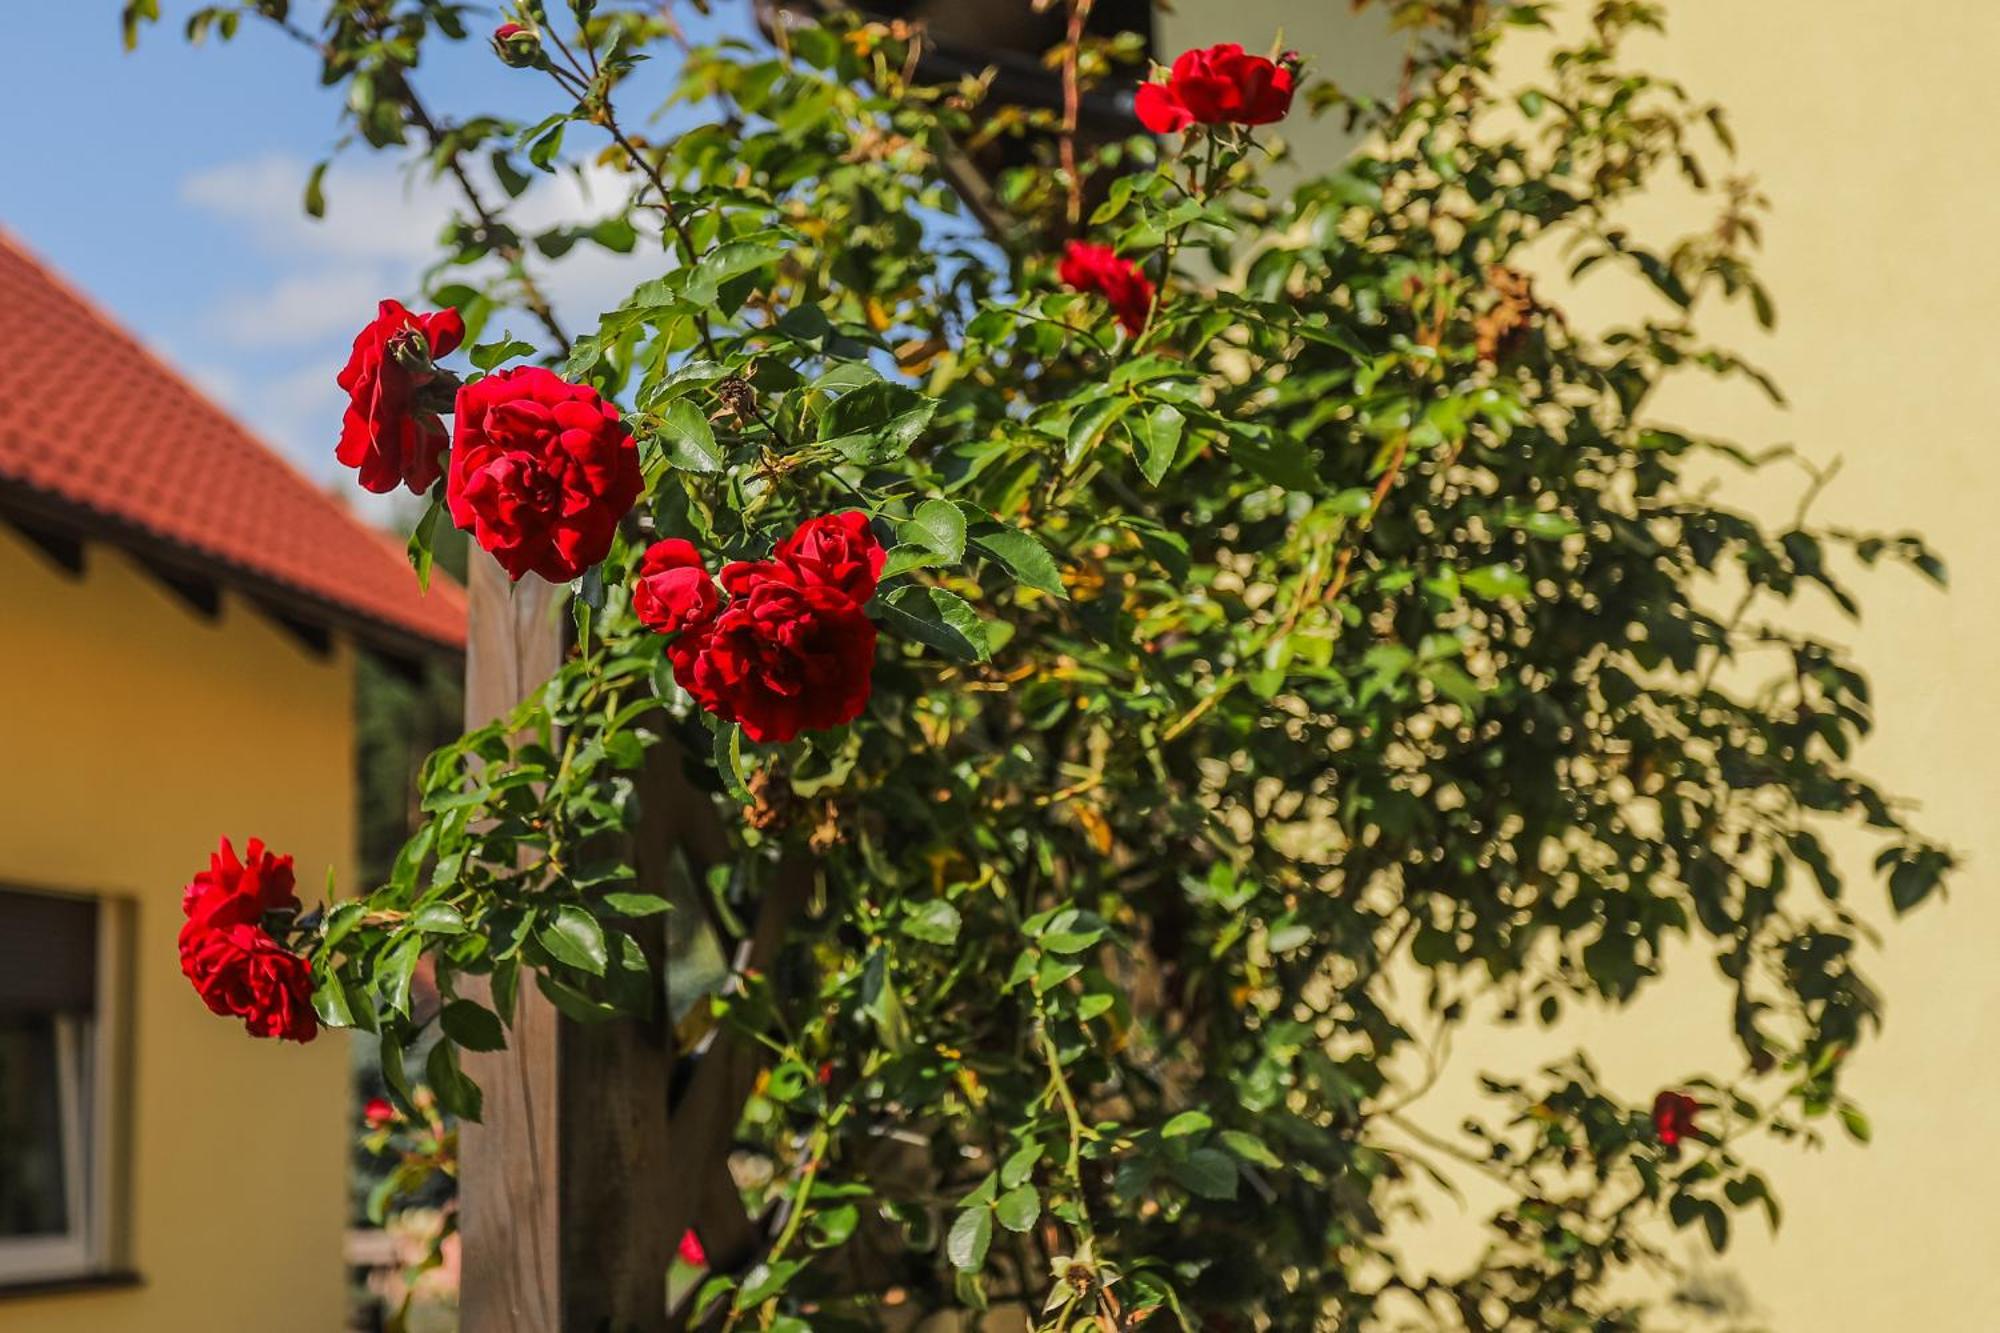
<point>93,1064</point>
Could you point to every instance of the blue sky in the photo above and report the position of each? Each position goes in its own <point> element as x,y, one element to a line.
<point>166,184</point>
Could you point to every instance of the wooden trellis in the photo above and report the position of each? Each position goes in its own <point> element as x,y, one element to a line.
<point>601,1143</point>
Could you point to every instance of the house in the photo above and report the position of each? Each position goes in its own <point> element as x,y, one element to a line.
<point>181,615</point>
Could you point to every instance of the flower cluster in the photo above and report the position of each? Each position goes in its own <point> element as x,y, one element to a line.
<point>541,470</point>
<point>237,966</point>
<point>791,650</point>
<point>1219,85</point>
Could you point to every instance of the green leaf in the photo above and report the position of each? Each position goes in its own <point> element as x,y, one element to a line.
<point>690,440</point>
<point>903,559</point>
<point>421,539</point>
<point>472,1026</point>
<point>1019,1165</point>
<point>1207,1172</point>
<point>876,423</point>
<point>936,922</point>
<point>488,355</point>
<point>970,1237</point>
<point>456,1094</point>
<point>340,923</point>
<point>766,1281</point>
<point>1276,458</point>
<point>1856,1122</point>
<point>727,262</point>
<point>439,919</point>
<point>1250,1149</point>
<point>542,152</point>
<point>637,904</point>
<point>1157,435</point>
<point>330,1003</point>
<point>1087,428</point>
<point>1545,524</point>
<point>574,1003</point>
<point>1187,1122</point>
<point>315,202</point>
<point>1496,581</point>
<point>575,937</point>
<point>939,618</point>
<point>1024,557</point>
<point>1019,1208</point>
<point>938,525</point>
<point>395,967</point>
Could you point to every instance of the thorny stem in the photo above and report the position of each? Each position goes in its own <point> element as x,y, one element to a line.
<point>1079,14</point>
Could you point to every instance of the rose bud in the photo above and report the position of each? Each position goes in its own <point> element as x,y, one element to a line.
<point>378,1114</point>
<point>517,45</point>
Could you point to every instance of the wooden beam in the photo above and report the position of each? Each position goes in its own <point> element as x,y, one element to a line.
<point>564,1189</point>
<point>62,549</point>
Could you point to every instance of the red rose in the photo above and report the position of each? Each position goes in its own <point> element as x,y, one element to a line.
<point>792,651</point>
<point>378,1113</point>
<point>542,470</point>
<point>238,967</point>
<point>386,432</point>
<point>243,972</point>
<point>838,551</point>
<point>1673,1117</point>
<point>234,892</point>
<point>781,658</point>
<point>1222,85</point>
<point>673,591</point>
<point>691,1249</point>
<point>1097,268</point>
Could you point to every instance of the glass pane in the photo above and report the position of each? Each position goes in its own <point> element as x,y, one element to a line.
<point>33,1201</point>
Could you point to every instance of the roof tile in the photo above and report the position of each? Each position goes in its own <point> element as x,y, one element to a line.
<point>89,417</point>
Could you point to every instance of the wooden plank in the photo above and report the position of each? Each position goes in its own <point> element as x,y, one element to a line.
<point>510,1219</point>
<point>564,1188</point>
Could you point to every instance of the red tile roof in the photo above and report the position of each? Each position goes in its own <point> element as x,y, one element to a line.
<point>97,431</point>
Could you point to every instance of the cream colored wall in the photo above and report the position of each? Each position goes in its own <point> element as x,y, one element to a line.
<point>132,734</point>
<point>1871,127</point>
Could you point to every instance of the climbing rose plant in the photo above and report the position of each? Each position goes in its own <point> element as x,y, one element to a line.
<point>1175,655</point>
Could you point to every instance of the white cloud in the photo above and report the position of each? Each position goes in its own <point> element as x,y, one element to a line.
<point>374,209</point>
<point>379,231</point>
<point>306,308</point>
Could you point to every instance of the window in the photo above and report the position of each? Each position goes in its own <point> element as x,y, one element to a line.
<point>61,1030</point>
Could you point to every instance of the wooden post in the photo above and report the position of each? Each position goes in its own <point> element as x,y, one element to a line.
<point>567,1211</point>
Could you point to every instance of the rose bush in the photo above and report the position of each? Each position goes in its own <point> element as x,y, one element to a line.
<point>1152,744</point>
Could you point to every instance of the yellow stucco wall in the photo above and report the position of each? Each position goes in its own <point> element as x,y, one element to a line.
<point>1871,127</point>
<point>133,733</point>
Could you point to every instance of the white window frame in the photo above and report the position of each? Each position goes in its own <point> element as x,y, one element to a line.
<point>90,1087</point>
